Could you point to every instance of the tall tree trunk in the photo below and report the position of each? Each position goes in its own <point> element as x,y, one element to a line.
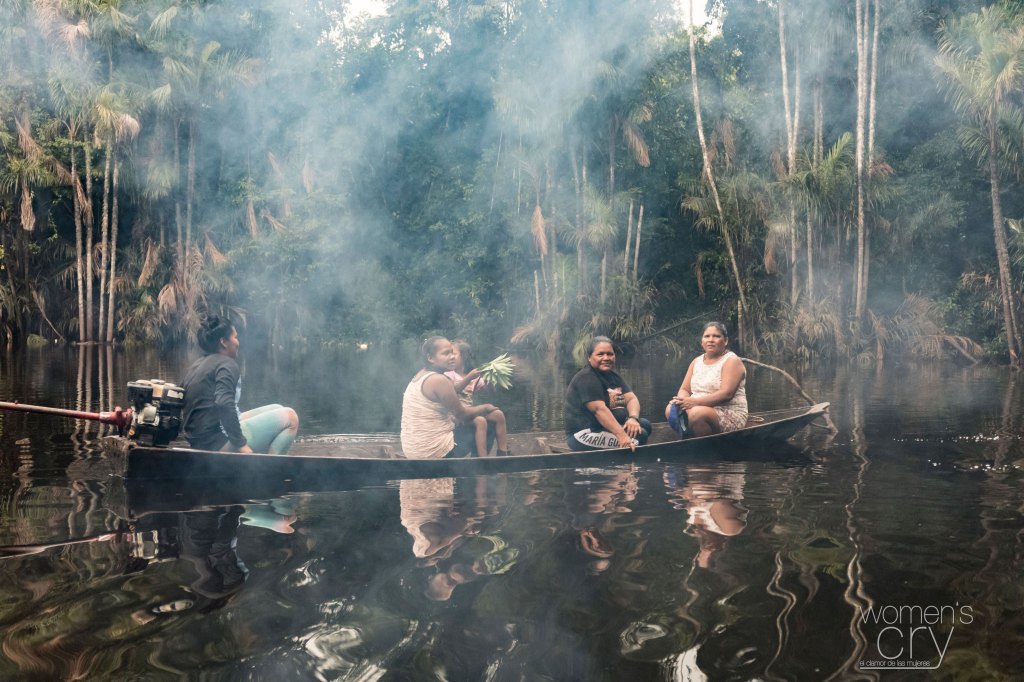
<point>865,248</point>
<point>80,388</point>
<point>636,249</point>
<point>101,392</point>
<point>578,185</point>
<point>87,382</point>
<point>78,204</point>
<point>861,20</point>
<point>1002,254</point>
<point>874,86</point>
<point>497,165</point>
<point>819,122</point>
<point>536,292</point>
<point>629,237</point>
<point>105,235</point>
<point>113,255</point>
<point>179,245</point>
<point>612,128</point>
<point>818,155</point>
<point>709,173</point>
<point>790,121</point>
<point>795,138</point>
<point>28,215</point>
<point>519,180</point>
<point>549,184</point>
<point>190,192</point>
<point>90,219</point>
<point>110,380</point>
<point>604,278</point>
<point>810,258</point>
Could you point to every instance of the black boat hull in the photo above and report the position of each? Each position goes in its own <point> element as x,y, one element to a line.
<point>148,463</point>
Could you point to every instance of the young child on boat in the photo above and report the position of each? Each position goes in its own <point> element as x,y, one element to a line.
<point>465,385</point>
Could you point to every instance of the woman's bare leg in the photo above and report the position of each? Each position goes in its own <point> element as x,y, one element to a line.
<point>500,429</point>
<point>704,421</point>
<point>480,436</point>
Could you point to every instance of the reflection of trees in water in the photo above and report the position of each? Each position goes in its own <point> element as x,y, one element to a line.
<point>805,554</point>
<point>665,594</point>
<point>93,604</point>
<point>995,591</point>
<point>507,583</point>
<point>856,594</point>
<point>705,608</point>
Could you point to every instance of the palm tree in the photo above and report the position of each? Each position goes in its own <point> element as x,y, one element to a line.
<point>867,78</point>
<point>115,114</point>
<point>601,229</point>
<point>70,92</point>
<point>709,175</point>
<point>99,113</point>
<point>981,56</point>
<point>824,190</point>
<point>197,76</point>
<point>791,114</point>
<point>742,207</point>
<point>23,171</point>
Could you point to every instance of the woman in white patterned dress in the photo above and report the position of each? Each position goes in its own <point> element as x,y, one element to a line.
<point>713,392</point>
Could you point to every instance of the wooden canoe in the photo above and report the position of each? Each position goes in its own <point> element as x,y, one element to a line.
<point>343,458</point>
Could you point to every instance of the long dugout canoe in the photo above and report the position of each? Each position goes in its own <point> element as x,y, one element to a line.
<point>319,459</point>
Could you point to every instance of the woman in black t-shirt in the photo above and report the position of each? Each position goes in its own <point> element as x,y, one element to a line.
<point>601,410</point>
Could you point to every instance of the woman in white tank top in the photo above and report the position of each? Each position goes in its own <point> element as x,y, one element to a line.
<point>431,408</point>
<point>713,392</point>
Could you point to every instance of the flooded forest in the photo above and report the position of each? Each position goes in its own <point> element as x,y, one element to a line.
<point>835,181</point>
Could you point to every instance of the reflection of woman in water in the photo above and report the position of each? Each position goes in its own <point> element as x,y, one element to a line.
<point>594,506</point>
<point>713,501</point>
<point>208,541</point>
<point>476,557</point>
<point>445,529</point>
<point>429,513</point>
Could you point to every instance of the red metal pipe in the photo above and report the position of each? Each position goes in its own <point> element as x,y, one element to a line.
<point>119,418</point>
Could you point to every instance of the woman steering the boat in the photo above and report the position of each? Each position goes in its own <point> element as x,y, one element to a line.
<point>213,385</point>
<point>431,409</point>
<point>713,394</point>
<point>601,410</point>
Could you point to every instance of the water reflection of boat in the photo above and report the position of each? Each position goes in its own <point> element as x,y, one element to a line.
<point>331,457</point>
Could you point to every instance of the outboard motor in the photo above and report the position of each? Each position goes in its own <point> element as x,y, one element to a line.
<point>156,415</point>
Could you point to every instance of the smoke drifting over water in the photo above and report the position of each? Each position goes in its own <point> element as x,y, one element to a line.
<point>407,132</point>
<point>393,158</point>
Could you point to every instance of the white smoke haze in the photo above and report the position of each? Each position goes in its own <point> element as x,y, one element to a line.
<point>371,170</point>
<point>381,117</point>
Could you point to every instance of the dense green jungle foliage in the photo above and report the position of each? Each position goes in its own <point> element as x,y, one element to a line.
<point>840,180</point>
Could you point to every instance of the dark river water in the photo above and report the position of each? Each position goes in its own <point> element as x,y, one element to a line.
<point>890,549</point>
